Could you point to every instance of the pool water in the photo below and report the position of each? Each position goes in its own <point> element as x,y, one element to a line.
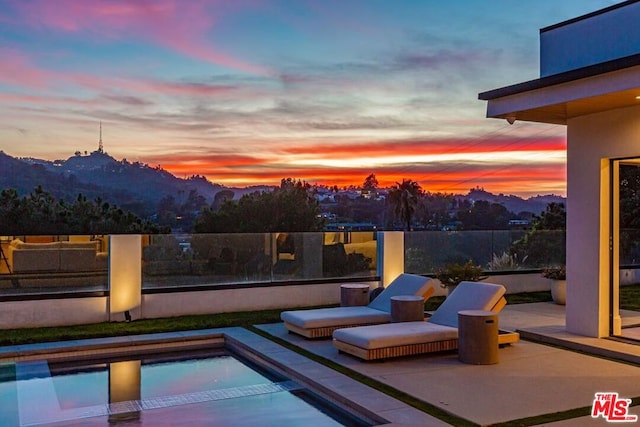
<point>191,390</point>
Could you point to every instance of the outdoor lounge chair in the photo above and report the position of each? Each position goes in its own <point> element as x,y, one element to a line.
<point>438,333</point>
<point>319,323</point>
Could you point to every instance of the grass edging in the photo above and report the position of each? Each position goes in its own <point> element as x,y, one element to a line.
<point>377,385</point>
<point>425,406</point>
<point>136,327</point>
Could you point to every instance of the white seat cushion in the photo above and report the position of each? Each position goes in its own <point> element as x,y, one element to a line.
<point>394,334</point>
<point>467,296</point>
<point>404,284</point>
<point>378,311</point>
<point>336,316</point>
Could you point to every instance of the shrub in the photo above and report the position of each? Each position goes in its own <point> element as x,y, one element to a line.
<point>555,273</point>
<point>505,261</point>
<point>454,273</point>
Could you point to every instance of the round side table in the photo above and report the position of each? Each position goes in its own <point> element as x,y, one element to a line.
<point>354,294</point>
<point>478,337</point>
<point>407,308</point>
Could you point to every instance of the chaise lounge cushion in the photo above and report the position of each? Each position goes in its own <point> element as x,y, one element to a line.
<point>317,323</point>
<point>404,284</point>
<point>336,316</point>
<point>467,296</point>
<point>395,334</point>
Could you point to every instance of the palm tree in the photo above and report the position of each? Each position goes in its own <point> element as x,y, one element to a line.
<point>404,198</point>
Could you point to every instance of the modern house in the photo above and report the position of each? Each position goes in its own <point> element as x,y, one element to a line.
<point>590,83</point>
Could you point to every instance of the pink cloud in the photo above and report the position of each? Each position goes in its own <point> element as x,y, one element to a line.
<point>183,26</point>
<point>17,69</point>
<point>9,98</point>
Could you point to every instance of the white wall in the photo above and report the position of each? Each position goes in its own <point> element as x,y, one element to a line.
<point>245,299</point>
<point>514,283</point>
<point>57,312</point>
<point>590,139</point>
<point>79,311</point>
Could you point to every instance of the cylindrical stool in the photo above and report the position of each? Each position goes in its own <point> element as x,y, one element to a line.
<point>354,294</point>
<point>407,308</point>
<point>478,337</point>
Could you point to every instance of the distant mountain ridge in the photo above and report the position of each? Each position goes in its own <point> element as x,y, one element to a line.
<point>515,204</point>
<point>133,186</point>
<point>139,187</point>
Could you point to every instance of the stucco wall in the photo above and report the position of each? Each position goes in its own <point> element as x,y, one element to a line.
<point>514,283</point>
<point>591,140</point>
<point>246,299</point>
<point>78,311</point>
<point>57,312</point>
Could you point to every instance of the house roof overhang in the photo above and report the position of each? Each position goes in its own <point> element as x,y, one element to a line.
<point>557,98</point>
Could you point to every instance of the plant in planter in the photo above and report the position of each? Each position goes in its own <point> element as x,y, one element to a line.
<point>451,274</point>
<point>558,276</point>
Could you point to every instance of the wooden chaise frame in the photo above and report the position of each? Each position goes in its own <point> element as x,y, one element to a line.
<point>327,331</point>
<point>504,338</point>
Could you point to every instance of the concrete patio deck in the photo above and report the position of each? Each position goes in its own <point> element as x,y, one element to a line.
<point>531,379</point>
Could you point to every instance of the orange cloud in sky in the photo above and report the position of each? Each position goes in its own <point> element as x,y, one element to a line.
<point>442,146</point>
<point>533,166</point>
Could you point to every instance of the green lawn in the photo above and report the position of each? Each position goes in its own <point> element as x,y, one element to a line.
<point>630,297</point>
<point>137,327</point>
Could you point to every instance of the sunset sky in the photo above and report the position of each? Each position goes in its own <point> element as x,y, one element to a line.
<point>248,92</point>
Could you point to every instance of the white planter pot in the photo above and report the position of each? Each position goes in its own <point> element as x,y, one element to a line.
<point>559,291</point>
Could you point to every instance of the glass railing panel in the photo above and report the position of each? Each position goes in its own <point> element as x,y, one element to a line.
<point>324,255</point>
<point>212,259</point>
<point>501,250</point>
<point>349,254</point>
<point>540,248</point>
<point>630,247</point>
<point>55,263</point>
<point>204,259</point>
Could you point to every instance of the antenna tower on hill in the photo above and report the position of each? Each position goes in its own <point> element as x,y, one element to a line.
<point>100,150</point>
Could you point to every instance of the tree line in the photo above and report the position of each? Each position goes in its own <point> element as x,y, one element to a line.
<point>40,213</point>
<point>291,207</point>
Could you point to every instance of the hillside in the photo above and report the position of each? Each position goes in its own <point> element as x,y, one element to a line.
<point>516,204</point>
<point>134,186</point>
<point>138,187</point>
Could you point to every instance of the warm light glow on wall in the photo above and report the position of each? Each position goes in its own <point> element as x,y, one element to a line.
<point>124,386</point>
<point>125,275</point>
<point>390,255</point>
<point>124,381</point>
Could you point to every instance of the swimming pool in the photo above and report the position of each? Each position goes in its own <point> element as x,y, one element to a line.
<point>213,388</point>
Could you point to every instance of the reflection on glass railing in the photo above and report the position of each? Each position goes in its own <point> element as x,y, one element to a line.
<point>79,263</point>
<point>629,246</point>
<point>501,250</point>
<point>205,259</point>
<point>53,263</point>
